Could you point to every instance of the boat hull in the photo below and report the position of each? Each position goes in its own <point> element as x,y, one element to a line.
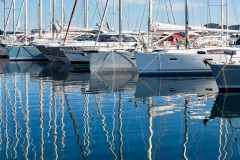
<point>77,57</point>
<point>51,53</point>
<point>227,76</point>
<point>22,53</point>
<point>111,61</point>
<point>164,63</point>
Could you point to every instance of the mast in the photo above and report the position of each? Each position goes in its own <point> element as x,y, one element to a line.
<point>50,9</point>
<point>53,18</point>
<point>221,14</point>
<point>74,7</point>
<point>5,23</point>
<point>19,16</point>
<point>104,14</point>
<point>62,27</point>
<point>186,24</point>
<point>85,13</point>
<point>26,19</point>
<point>120,22</point>
<point>40,18</point>
<point>13,1</point>
<point>114,11</point>
<point>8,17</point>
<point>149,24</point>
<point>227,12</point>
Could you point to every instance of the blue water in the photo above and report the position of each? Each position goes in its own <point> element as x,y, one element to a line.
<point>50,111</point>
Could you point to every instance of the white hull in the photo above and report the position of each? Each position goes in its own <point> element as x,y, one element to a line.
<point>19,53</point>
<point>227,76</point>
<point>179,63</point>
<point>111,61</point>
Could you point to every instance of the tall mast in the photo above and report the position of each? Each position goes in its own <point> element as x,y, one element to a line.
<point>26,19</point>
<point>40,18</point>
<point>8,17</point>
<point>62,27</point>
<point>50,9</point>
<point>149,24</point>
<point>114,11</point>
<point>13,1</point>
<point>100,27</point>
<point>227,12</point>
<point>74,7</point>
<point>186,24</point>
<point>5,23</point>
<point>221,14</point>
<point>85,13</point>
<point>53,18</point>
<point>120,22</point>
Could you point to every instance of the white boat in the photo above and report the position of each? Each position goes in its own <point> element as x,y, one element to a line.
<point>187,61</point>
<point>21,53</point>
<point>79,53</point>
<point>227,76</point>
<point>190,61</point>
<point>112,61</point>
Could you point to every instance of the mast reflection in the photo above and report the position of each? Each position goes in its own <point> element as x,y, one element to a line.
<point>54,113</point>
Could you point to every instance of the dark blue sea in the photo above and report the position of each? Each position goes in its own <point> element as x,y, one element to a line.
<point>56,111</point>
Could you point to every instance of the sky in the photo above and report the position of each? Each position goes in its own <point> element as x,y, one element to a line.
<point>134,13</point>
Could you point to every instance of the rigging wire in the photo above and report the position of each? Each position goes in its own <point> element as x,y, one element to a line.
<point>140,26</point>
<point>94,13</point>
<point>127,18</point>
<point>235,11</point>
<point>105,17</point>
<point>167,12</point>
<point>158,9</point>
<point>172,12</point>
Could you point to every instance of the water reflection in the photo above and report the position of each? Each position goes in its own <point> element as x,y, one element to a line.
<point>226,105</point>
<point>226,109</point>
<point>50,111</point>
<point>172,85</point>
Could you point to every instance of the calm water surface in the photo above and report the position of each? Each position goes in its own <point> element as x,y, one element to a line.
<point>50,111</point>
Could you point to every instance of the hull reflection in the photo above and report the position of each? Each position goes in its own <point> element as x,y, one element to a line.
<point>168,85</point>
<point>226,105</point>
<point>113,82</point>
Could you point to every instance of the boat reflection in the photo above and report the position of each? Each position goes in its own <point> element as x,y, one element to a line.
<point>226,105</point>
<point>21,67</point>
<point>113,82</point>
<point>149,86</point>
<point>4,64</point>
<point>226,111</point>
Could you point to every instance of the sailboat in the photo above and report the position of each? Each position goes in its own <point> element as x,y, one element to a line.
<point>24,51</point>
<point>227,76</point>
<point>185,61</point>
<point>119,58</point>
